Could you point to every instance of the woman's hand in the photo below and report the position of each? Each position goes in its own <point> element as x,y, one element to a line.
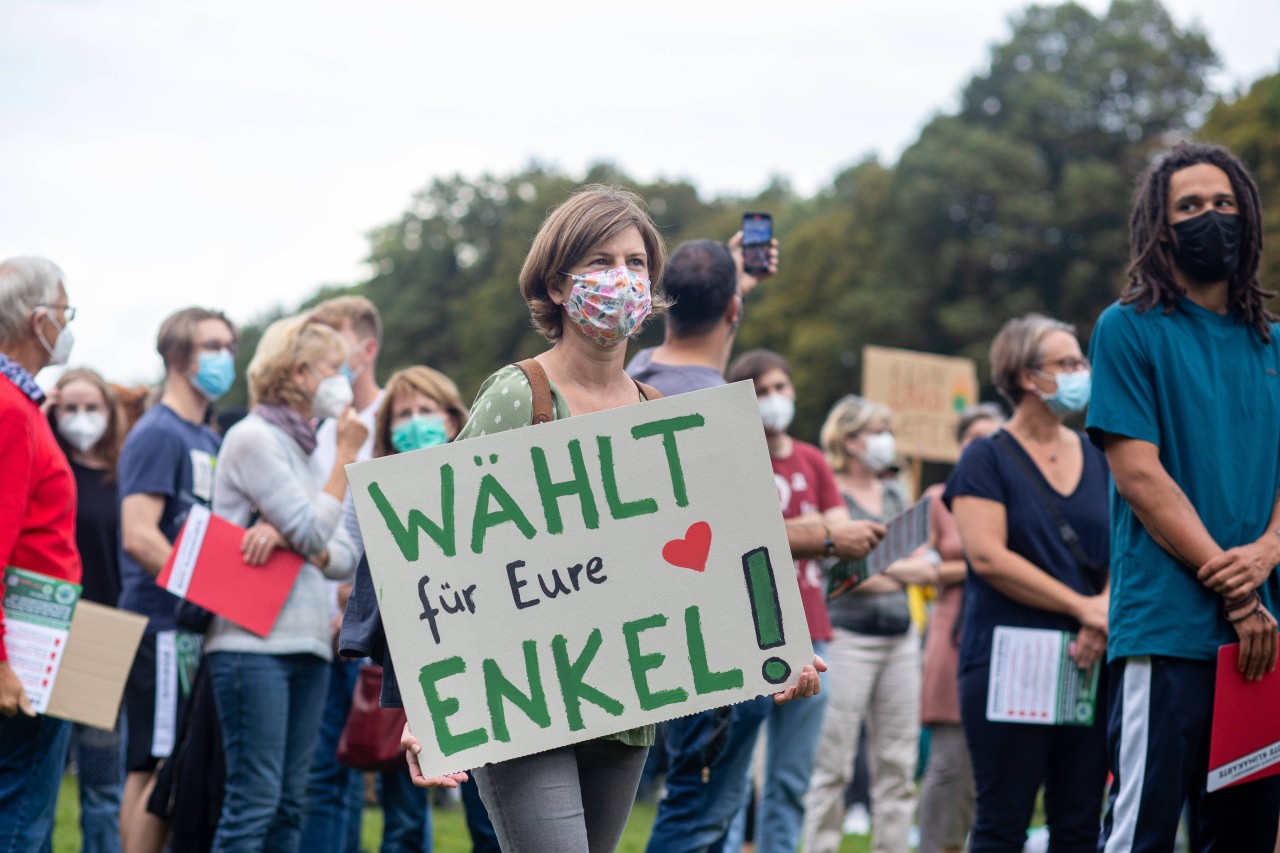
<point>259,541</point>
<point>1091,612</point>
<point>809,684</point>
<point>351,433</point>
<point>1089,647</point>
<point>411,749</point>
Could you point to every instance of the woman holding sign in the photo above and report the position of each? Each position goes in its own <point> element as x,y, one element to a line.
<point>589,281</point>
<point>270,690</point>
<point>874,651</point>
<point>1031,505</point>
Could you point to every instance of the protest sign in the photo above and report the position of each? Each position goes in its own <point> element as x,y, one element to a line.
<point>552,584</point>
<point>926,394</point>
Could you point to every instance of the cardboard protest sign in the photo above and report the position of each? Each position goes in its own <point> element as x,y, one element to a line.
<point>926,393</point>
<point>557,583</point>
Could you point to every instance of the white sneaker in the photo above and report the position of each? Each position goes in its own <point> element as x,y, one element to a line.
<point>857,820</point>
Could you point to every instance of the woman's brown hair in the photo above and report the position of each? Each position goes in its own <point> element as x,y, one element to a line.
<point>593,215</point>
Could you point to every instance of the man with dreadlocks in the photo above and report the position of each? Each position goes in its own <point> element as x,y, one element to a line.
<point>1186,404</point>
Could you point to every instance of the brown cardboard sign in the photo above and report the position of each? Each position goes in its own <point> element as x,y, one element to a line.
<point>100,650</point>
<point>926,393</point>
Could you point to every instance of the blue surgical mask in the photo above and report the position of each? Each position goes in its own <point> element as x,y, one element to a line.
<point>215,373</point>
<point>418,432</point>
<point>1073,392</point>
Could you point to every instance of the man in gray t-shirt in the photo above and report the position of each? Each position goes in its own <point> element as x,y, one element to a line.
<point>705,281</point>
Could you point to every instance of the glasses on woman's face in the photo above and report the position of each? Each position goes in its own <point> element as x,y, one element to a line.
<point>1067,364</point>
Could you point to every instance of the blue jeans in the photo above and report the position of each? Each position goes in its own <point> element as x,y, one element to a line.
<point>792,732</point>
<point>32,752</point>
<point>335,792</point>
<point>406,813</point>
<point>708,758</point>
<point>269,707</point>
<point>99,760</point>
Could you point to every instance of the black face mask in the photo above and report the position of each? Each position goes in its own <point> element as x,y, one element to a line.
<point>1208,248</point>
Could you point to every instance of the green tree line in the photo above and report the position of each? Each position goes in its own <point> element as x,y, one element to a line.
<point>1017,201</point>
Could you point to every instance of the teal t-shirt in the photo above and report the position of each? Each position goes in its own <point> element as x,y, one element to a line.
<point>1205,390</point>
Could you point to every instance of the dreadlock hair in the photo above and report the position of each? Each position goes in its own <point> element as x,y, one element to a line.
<point>1150,273</point>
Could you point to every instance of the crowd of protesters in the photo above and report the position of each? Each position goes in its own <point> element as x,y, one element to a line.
<point>1151,537</point>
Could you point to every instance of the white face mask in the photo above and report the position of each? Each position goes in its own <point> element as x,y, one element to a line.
<point>881,452</point>
<point>333,395</point>
<point>83,429</point>
<point>60,351</point>
<point>776,412</point>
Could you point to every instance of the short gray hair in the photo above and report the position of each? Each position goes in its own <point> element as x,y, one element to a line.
<point>1016,348</point>
<point>25,284</point>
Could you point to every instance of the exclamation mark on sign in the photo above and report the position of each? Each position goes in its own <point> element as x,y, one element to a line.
<point>766,611</point>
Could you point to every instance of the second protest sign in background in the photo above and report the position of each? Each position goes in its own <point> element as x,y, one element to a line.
<point>553,584</point>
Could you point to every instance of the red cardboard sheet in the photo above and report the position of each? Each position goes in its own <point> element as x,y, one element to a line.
<point>205,568</point>
<point>1245,742</point>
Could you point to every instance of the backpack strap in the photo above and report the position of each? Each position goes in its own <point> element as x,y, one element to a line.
<point>541,388</point>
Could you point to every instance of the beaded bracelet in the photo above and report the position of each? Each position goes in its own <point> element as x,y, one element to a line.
<point>1257,608</point>
<point>1229,607</point>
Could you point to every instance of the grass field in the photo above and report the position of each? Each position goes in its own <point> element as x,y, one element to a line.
<point>450,828</point>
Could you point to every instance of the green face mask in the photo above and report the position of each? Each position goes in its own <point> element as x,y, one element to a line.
<point>418,432</point>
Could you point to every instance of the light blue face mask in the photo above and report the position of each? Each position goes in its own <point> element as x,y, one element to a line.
<point>215,373</point>
<point>1073,392</point>
<point>418,432</point>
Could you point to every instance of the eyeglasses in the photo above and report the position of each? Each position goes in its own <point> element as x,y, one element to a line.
<point>67,311</point>
<point>1069,364</point>
<point>218,346</point>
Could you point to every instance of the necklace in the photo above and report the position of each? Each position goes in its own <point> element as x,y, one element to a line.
<point>1053,450</point>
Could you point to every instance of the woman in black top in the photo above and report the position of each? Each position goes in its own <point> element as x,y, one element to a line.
<point>87,420</point>
<point>1011,494</point>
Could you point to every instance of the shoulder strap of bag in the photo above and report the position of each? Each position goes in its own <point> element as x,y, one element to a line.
<point>541,388</point>
<point>1070,538</point>
<point>648,391</point>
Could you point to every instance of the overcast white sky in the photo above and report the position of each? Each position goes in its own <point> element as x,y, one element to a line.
<point>234,154</point>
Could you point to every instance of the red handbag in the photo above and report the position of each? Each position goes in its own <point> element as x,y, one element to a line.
<point>370,740</point>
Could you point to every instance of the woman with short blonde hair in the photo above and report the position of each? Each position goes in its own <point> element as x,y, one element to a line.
<point>874,653</point>
<point>270,690</point>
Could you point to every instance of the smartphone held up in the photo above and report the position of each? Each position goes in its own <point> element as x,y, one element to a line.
<point>757,239</point>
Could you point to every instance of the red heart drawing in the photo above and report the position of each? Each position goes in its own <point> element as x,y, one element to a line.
<point>691,551</point>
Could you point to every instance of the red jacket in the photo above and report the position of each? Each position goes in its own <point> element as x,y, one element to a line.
<point>37,494</point>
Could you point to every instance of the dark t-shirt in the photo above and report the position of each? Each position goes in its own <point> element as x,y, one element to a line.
<point>988,470</point>
<point>172,459</point>
<point>97,533</point>
<point>672,379</point>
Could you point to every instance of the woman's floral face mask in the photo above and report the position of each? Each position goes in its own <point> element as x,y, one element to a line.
<point>609,305</point>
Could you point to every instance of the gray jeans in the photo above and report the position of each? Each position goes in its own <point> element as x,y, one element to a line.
<point>575,799</point>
